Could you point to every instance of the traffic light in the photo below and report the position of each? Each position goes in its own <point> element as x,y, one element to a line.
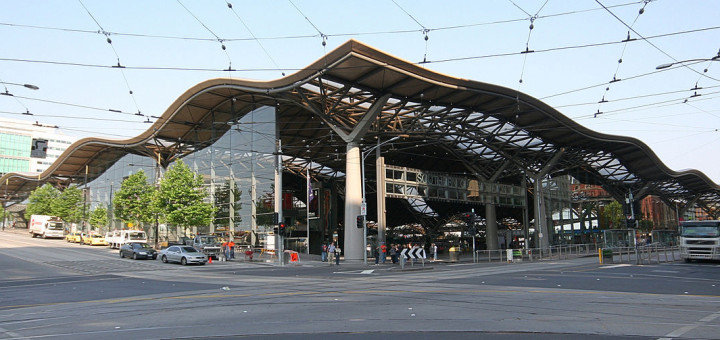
<point>469,218</point>
<point>360,221</point>
<point>282,229</point>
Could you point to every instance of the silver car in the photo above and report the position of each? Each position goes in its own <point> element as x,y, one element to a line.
<point>183,255</point>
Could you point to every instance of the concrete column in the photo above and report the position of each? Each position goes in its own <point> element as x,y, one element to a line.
<point>380,175</point>
<point>354,244</point>
<point>491,223</point>
<point>541,234</point>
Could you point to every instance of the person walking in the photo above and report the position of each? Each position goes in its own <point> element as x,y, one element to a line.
<point>324,253</point>
<point>393,253</point>
<point>331,252</point>
<point>433,250</point>
<point>376,254</point>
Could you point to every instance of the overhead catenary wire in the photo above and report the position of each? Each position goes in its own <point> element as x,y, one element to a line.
<point>620,60</point>
<point>229,5</point>
<point>119,65</point>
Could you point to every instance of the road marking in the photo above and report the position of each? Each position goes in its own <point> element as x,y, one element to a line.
<point>684,329</point>
<point>367,271</point>
<point>666,271</point>
<point>12,334</point>
<point>616,266</point>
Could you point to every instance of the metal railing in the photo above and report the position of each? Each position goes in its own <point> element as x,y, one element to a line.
<point>653,253</point>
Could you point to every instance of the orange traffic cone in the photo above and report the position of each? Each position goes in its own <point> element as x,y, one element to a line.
<point>210,259</point>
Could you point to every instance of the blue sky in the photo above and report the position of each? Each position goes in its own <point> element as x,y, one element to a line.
<point>169,46</point>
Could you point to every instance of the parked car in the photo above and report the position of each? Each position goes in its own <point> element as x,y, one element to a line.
<point>183,255</point>
<point>138,250</point>
<point>95,240</point>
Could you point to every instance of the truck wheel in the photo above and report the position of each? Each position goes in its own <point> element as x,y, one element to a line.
<point>43,236</point>
<point>164,259</point>
<point>183,261</point>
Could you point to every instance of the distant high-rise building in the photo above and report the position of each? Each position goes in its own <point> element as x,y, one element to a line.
<point>29,146</point>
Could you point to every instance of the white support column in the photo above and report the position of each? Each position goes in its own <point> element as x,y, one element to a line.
<point>354,244</point>
<point>541,233</point>
<point>380,181</point>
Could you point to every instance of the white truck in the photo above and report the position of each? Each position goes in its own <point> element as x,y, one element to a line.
<point>46,226</point>
<point>700,240</point>
<point>120,237</point>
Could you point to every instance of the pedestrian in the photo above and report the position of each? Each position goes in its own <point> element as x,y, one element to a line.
<point>224,249</point>
<point>231,245</point>
<point>324,253</point>
<point>338,251</point>
<point>393,253</point>
<point>383,252</point>
<point>376,254</point>
<point>331,252</point>
<point>433,250</point>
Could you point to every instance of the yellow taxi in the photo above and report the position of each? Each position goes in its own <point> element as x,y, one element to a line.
<point>95,240</point>
<point>74,237</point>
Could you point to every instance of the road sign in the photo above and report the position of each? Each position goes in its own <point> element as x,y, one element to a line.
<point>414,253</point>
<point>363,209</point>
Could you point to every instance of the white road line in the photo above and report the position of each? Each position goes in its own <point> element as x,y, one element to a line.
<point>684,329</point>
<point>616,266</point>
<point>12,334</point>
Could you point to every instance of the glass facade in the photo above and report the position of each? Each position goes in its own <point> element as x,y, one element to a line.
<point>12,148</point>
<point>241,158</point>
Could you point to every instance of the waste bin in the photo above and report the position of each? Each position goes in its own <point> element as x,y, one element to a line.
<point>517,255</point>
<point>454,254</point>
<point>606,256</point>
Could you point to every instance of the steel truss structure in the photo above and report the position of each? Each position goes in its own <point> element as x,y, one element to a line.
<point>359,96</point>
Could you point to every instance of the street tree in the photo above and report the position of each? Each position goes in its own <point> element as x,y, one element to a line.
<point>133,203</point>
<point>68,205</point>
<point>613,213</point>
<point>99,218</point>
<point>40,201</point>
<point>181,197</point>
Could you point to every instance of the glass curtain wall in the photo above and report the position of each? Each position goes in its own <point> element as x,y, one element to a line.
<point>238,173</point>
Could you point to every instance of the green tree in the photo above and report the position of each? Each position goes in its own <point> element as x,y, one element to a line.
<point>181,198</point>
<point>613,213</point>
<point>99,218</point>
<point>40,201</point>
<point>134,201</point>
<point>69,205</point>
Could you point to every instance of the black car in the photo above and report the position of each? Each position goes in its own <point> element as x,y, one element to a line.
<point>138,250</point>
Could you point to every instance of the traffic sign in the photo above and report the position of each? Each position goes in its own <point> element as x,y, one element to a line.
<point>414,253</point>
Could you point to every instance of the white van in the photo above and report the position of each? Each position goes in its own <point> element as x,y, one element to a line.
<point>46,226</point>
<point>126,236</point>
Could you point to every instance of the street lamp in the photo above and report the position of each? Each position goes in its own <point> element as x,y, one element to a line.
<point>364,203</point>
<point>668,65</point>
<point>29,86</point>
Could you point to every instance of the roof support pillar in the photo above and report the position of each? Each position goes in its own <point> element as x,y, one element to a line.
<point>354,244</point>
<point>542,229</point>
<point>491,229</point>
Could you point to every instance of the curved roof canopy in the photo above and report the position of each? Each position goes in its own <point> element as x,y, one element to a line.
<point>357,93</point>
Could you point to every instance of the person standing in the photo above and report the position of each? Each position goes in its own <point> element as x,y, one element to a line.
<point>433,250</point>
<point>376,254</point>
<point>383,252</point>
<point>324,253</point>
<point>338,251</point>
<point>331,252</point>
<point>231,246</point>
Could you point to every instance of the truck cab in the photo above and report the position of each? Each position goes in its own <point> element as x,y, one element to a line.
<point>700,240</point>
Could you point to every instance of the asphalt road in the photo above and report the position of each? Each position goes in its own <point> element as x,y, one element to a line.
<point>53,289</point>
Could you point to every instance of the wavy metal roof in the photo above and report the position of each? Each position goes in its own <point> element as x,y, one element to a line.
<point>444,123</point>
